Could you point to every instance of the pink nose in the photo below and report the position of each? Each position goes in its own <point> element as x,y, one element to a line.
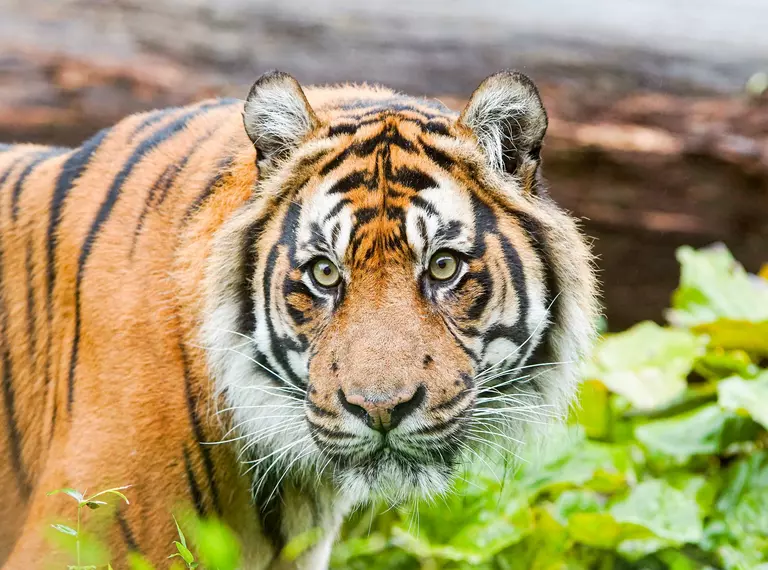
<point>383,412</point>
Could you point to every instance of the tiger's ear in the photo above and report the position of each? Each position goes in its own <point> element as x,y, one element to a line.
<point>507,116</point>
<point>277,116</point>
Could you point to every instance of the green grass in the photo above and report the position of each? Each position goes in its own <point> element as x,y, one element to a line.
<point>663,464</point>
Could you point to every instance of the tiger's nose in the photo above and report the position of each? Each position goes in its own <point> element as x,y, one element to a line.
<point>383,412</point>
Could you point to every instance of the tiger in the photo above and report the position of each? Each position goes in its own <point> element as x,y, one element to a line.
<point>278,309</point>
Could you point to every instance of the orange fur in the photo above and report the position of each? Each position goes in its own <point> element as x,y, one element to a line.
<point>130,295</point>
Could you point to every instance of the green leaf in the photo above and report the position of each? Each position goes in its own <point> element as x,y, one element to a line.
<point>76,495</point>
<point>663,510</point>
<point>421,548</point>
<point>217,546</point>
<point>346,550</point>
<point>706,431</point>
<point>594,412</point>
<point>744,500</point>
<point>574,502</point>
<point>748,397</point>
<point>94,504</point>
<point>547,547</point>
<point>114,491</point>
<point>493,530</point>
<point>64,529</point>
<point>647,364</point>
<point>720,363</point>
<point>598,530</point>
<point>714,286</point>
<point>702,490</point>
<point>184,552</point>
<point>181,534</point>
<point>300,543</point>
<point>581,463</point>
<point>730,334</point>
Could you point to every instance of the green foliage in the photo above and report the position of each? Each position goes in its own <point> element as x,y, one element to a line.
<point>182,550</point>
<point>212,546</point>
<point>84,546</point>
<point>663,465</point>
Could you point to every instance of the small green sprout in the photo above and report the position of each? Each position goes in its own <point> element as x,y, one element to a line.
<point>183,551</point>
<point>92,503</point>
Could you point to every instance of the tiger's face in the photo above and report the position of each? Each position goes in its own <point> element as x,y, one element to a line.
<point>400,292</point>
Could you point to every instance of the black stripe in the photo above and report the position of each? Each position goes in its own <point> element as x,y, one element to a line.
<point>208,190</point>
<point>153,118</point>
<point>340,205</point>
<point>125,530</point>
<point>440,158</point>
<point>335,162</point>
<point>31,320</point>
<point>281,345</point>
<point>350,181</point>
<point>14,437</point>
<point>425,205</point>
<point>9,396</point>
<point>249,258</point>
<point>162,185</point>
<point>434,125</point>
<point>414,179</point>
<point>269,504</point>
<point>389,137</point>
<point>7,172</point>
<point>105,210</point>
<point>194,487</point>
<point>336,435</point>
<point>318,411</point>
<point>544,351</point>
<point>71,170</point>
<point>485,224</point>
<point>343,129</point>
<point>17,189</point>
<point>452,402</point>
<point>197,430</point>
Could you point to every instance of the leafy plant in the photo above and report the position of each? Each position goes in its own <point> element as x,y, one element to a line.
<point>182,550</point>
<point>662,466</point>
<point>214,542</point>
<point>92,502</point>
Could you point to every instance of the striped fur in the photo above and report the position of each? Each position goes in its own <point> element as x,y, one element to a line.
<point>160,324</point>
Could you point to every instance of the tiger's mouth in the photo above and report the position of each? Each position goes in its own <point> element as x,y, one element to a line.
<point>394,471</point>
<point>394,476</point>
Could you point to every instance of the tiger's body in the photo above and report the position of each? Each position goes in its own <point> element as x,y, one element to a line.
<point>153,302</point>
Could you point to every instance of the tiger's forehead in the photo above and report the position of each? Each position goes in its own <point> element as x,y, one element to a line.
<point>380,195</point>
<point>364,104</point>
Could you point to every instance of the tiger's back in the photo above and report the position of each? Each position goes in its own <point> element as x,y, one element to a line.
<point>89,242</point>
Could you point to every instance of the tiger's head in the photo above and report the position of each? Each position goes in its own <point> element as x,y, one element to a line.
<point>400,292</point>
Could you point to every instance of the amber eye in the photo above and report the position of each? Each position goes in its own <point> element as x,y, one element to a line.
<point>443,266</point>
<point>325,273</point>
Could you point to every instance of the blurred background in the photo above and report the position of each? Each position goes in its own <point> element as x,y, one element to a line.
<point>659,109</point>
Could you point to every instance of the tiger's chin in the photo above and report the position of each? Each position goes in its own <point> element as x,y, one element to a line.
<point>394,478</point>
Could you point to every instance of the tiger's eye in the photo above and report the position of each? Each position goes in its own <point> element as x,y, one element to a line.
<point>326,273</point>
<point>443,266</point>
